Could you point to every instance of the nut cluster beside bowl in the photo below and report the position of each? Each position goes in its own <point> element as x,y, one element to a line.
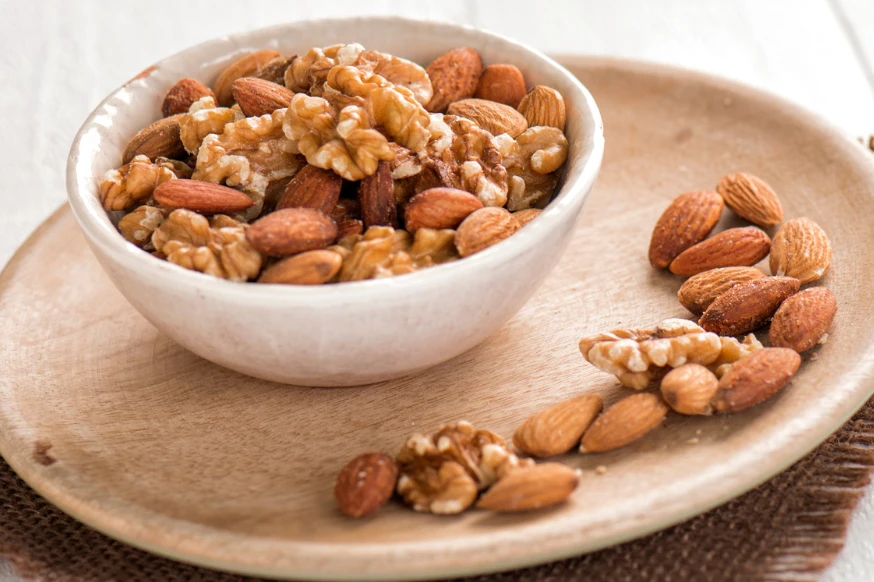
<point>295,233</point>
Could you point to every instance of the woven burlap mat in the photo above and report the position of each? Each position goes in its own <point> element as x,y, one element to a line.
<point>790,528</point>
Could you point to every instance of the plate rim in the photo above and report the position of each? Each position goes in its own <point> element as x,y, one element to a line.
<point>16,457</point>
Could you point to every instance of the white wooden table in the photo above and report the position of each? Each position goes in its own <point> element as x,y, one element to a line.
<point>60,58</point>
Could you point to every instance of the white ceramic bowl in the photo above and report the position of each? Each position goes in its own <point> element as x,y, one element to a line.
<point>350,333</point>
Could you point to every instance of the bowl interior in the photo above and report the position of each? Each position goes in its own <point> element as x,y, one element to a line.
<point>100,142</point>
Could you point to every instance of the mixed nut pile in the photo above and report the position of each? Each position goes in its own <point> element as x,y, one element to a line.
<point>691,368</point>
<point>340,164</point>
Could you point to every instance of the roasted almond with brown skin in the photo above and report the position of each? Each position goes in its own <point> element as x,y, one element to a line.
<point>558,428</point>
<point>257,97</point>
<point>312,187</point>
<point>309,268</point>
<point>700,291</point>
<point>735,247</point>
<point>747,306</point>
<point>502,83</point>
<point>376,194</point>
<point>274,69</point>
<point>202,197</point>
<point>483,228</point>
<point>523,217</point>
<point>347,226</point>
<point>181,96</point>
<point>755,378</point>
<point>243,67</point>
<point>800,249</point>
<point>346,208</point>
<point>623,423</point>
<point>530,488</point>
<point>689,389</point>
<point>160,139</point>
<point>543,106</point>
<point>684,223</point>
<point>496,118</point>
<point>365,484</point>
<point>439,208</point>
<point>751,198</point>
<point>291,231</point>
<point>454,76</point>
<point>803,319</point>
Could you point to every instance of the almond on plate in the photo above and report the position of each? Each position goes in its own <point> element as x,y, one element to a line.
<point>496,118</point>
<point>454,76</point>
<point>312,187</point>
<point>685,222</point>
<point>697,293</point>
<point>257,97</point>
<point>735,247</point>
<point>376,194</point>
<point>751,198</point>
<point>245,66</point>
<point>160,139</point>
<point>365,484</point>
<point>290,231</point>
<point>755,378</point>
<point>803,319</point>
<point>530,488</point>
<point>558,428</point>
<point>747,306</point>
<point>623,423</point>
<point>309,268</point>
<point>800,249</point>
<point>483,228</point>
<point>543,106</point>
<point>689,388</point>
<point>439,208</point>
<point>183,94</point>
<point>502,83</point>
<point>203,197</point>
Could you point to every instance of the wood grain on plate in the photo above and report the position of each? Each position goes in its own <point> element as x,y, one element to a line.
<point>129,433</point>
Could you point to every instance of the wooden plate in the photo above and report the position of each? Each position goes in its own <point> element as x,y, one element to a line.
<point>129,433</point>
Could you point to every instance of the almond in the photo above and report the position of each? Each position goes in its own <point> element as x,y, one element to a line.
<point>523,217</point>
<point>530,488</point>
<point>454,76</point>
<point>312,187</point>
<point>803,319</point>
<point>203,197</point>
<point>243,67</point>
<point>347,226</point>
<point>439,208</point>
<point>309,268</point>
<point>700,291</point>
<point>623,423</point>
<point>685,222</point>
<point>365,484</point>
<point>543,106</point>
<point>689,389</point>
<point>747,306</point>
<point>755,378</point>
<point>160,139</point>
<point>290,231</point>
<point>483,228</point>
<point>376,194</point>
<point>801,249</point>
<point>502,83</point>
<point>496,118</point>
<point>274,69</point>
<point>558,428</point>
<point>346,208</point>
<point>181,95</point>
<point>257,97</point>
<point>735,247</point>
<point>751,198</point>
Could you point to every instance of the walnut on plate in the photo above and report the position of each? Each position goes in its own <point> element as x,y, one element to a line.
<point>443,472</point>
<point>532,160</point>
<point>202,119</point>
<point>188,239</point>
<point>132,183</point>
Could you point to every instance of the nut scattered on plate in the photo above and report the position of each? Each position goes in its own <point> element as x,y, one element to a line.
<point>325,150</point>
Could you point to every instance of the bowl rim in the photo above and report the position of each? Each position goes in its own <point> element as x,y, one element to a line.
<point>95,223</point>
